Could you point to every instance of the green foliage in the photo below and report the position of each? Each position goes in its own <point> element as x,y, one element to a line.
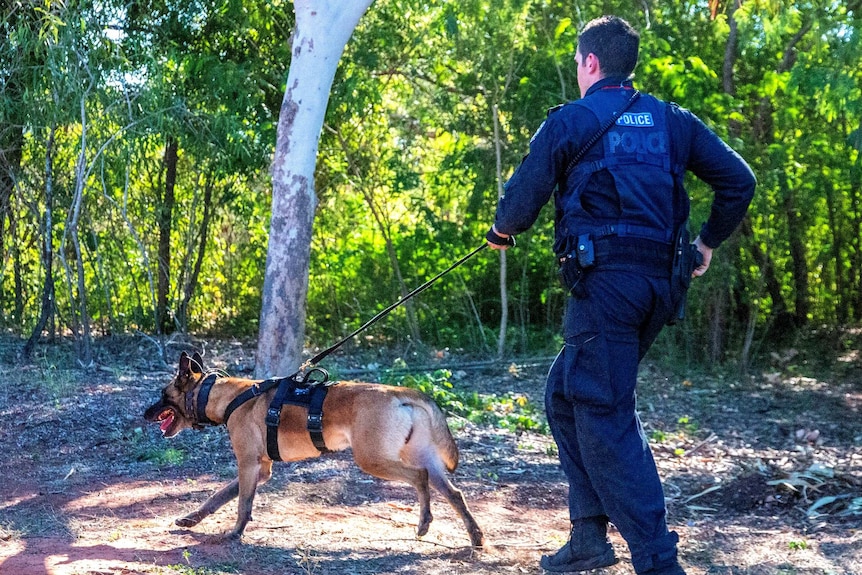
<point>407,176</point>
<point>513,412</point>
<point>161,456</point>
<point>144,450</point>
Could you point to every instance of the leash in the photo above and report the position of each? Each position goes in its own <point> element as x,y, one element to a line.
<point>323,354</point>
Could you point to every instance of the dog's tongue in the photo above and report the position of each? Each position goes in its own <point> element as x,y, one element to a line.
<point>166,423</point>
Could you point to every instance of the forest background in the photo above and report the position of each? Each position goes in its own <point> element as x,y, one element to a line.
<point>136,140</point>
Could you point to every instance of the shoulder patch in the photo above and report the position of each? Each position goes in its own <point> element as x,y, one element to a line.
<point>554,109</point>
<point>537,132</point>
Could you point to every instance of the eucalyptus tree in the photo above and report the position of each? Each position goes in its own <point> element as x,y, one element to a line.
<point>322,30</point>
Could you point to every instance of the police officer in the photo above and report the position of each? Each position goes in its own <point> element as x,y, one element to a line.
<point>619,209</point>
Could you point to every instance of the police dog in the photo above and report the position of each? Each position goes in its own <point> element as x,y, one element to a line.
<point>395,433</point>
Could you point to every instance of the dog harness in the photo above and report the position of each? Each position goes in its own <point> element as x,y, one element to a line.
<point>198,413</point>
<point>308,392</point>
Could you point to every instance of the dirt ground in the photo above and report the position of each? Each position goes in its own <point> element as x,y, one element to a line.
<point>763,475</point>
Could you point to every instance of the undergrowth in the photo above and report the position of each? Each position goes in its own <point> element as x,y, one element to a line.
<point>512,411</point>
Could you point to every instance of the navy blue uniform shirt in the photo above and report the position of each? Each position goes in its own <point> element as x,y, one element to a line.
<point>568,127</point>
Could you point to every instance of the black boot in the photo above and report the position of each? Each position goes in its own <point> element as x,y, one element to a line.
<point>588,548</point>
<point>674,569</point>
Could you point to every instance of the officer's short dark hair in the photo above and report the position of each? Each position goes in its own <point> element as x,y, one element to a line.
<point>614,42</point>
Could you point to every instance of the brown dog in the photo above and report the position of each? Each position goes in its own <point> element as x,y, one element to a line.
<point>396,433</point>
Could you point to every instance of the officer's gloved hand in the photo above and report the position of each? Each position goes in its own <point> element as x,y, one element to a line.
<point>498,241</point>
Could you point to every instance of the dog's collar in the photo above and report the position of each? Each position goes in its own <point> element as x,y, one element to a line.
<point>198,412</point>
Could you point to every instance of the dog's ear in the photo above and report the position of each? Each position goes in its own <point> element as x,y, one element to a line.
<point>188,369</point>
<point>184,363</point>
<point>197,364</point>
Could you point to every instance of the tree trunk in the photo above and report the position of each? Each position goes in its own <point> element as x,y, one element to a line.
<point>504,293</point>
<point>767,268</point>
<point>165,223</point>
<point>322,30</point>
<point>47,307</point>
<point>80,317</point>
<point>730,51</point>
<point>855,238</point>
<point>11,144</point>
<point>798,254</point>
<point>842,311</point>
<point>717,309</point>
<point>192,281</point>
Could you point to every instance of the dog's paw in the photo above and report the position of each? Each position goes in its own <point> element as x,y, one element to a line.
<point>187,521</point>
<point>477,539</point>
<point>225,537</point>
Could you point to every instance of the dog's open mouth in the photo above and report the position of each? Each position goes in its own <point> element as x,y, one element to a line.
<point>166,420</point>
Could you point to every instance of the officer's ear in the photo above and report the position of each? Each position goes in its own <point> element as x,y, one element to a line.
<point>592,63</point>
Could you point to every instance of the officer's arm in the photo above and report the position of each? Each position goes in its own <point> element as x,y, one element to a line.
<point>533,182</point>
<point>730,178</point>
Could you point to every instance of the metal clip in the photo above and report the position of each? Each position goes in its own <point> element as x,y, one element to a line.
<point>315,422</point>
<point>273,416</point>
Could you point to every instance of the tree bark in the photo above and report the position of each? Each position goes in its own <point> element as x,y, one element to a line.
<point>842,310</point>
<point>504,293</point>
<point>322,30</point>
<point>11,144</point>
<point>798,253</point>
<point>730,51</point>
<point>165,224</point>
<point>80,317</point>
<point>767,268</point>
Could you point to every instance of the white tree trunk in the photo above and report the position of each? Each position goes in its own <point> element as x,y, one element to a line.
<point>323,28</point>
<point>504,293</point>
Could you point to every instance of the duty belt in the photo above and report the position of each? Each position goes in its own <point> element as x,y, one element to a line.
<point>620,252</point>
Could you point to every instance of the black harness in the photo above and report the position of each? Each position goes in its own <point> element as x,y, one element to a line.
<point>308,392</point>
<point>203,398</point>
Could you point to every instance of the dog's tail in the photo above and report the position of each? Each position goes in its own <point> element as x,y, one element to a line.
<point>441,436</point>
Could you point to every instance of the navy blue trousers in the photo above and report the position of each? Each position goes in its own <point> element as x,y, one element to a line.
<point>591,406</point>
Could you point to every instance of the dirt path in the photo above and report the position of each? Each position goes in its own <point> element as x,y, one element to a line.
<point>88,488</point>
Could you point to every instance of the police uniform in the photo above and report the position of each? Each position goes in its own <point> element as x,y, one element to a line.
<point>626,196</point>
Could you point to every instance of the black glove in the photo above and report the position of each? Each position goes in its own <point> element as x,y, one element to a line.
<point>498,240</point>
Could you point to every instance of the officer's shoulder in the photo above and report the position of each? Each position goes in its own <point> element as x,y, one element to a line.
<point>677,108</point>
<point>567,106</point>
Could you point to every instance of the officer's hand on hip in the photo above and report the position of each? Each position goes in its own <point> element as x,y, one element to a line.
<point>706,252</point>
<point>498,241</point>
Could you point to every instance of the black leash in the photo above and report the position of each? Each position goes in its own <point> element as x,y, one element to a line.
<point>320,356</point>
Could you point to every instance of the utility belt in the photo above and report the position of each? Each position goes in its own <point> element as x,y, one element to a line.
<point>676,261</point>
